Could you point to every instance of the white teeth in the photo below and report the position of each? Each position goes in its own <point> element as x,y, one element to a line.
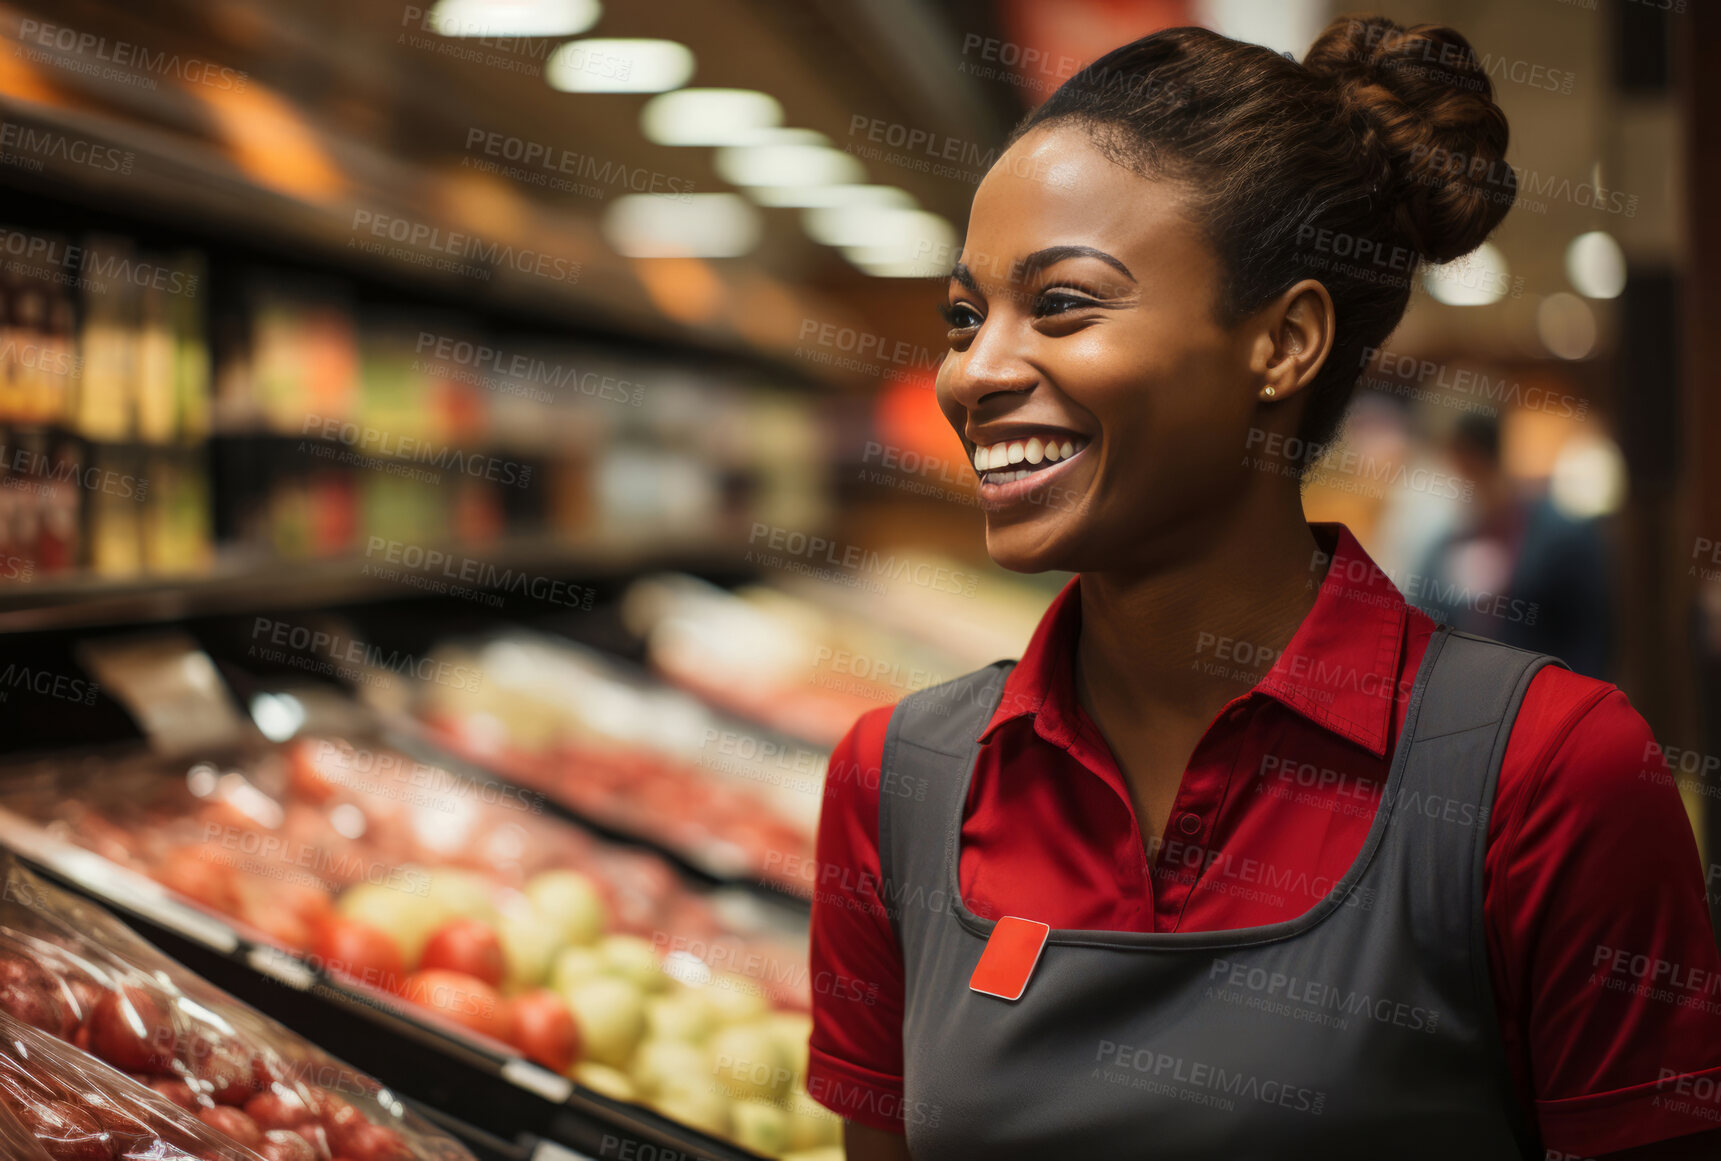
<point>1054,452</point>
<point>1017,452</point>
<point>1034,451</point>
<point>1000,454</point>
<point>982,459</point>
<point>1069,449</point>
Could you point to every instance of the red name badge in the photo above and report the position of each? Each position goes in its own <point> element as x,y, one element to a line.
<point>1009,957</point>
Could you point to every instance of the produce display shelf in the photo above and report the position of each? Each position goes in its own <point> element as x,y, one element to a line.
<point>502,1106</point>
<point>239,584</point>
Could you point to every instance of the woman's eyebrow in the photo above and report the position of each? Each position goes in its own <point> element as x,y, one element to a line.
<point>1040,259</point>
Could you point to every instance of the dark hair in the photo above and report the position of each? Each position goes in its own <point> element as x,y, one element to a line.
<point>1382,150</point>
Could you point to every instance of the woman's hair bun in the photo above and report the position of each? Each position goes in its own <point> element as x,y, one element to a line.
<point>1424,112</point>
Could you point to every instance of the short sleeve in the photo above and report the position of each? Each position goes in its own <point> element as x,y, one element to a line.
<point>854,1063</point>
<point>1602,950</point>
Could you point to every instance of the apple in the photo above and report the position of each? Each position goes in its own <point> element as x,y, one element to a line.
<point>278,1110</point>
<point>601,1078</point>
<point>465,945</point>
<point>221,1067</point>
<point>465,999</point>
<point>529,947</point>
<point>611,1014</point>
<point>680,1014</point>
<point>791,1031</point>
<point>371,1142</point>
<point>747,1062</point>
<point>760,1126</point>
<point>810,1123</point>
<point>734,999</point>
<point>357,949</point>
<point>175,1090</point>
<point>660,1064</point>
<point>403,916</point>
<point>571,902</point>
<point>461,894</point>
<point>545,1030</point>
<point>695,1104</point>
<point>632,958</point>
<point>575,965</point>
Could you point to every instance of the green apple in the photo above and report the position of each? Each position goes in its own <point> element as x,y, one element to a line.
<point>747,1062</point>
<point>574,965</point>
<point>791,1030</point>
<point>810,1123</point>
<point>634,959</point>
<point>571,903</point>
<point>603,1079</point>
<point>462,894</point>
<point>404,916</point>
<point>760,1126</point>
<point>696,1104</point>
<point>661,1064</point>
<point>611,1014</point>
<point>529,945</point>
<point>680,1014</point>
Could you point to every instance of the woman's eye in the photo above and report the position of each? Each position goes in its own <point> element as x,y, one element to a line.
<point>960,317</point>
<point>1054,304</point>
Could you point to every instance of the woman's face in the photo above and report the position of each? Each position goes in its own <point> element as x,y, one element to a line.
<point>1109,408</point>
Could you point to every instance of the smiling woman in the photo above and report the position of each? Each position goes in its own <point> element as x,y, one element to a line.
<point>1180,260</point>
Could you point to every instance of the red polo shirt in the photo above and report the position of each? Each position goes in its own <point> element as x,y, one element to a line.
<point>1605,970</point>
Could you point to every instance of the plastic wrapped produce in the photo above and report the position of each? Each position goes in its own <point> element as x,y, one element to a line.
<point>135,1042</point>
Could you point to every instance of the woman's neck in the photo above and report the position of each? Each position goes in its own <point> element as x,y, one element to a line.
<point>1179,641</point>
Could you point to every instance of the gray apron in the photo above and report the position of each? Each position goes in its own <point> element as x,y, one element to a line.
<point>1364,1028</point>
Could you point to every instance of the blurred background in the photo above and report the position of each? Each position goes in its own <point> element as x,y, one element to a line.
<point>540,391</point>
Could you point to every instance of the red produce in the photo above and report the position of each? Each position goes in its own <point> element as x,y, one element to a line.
<point>132,1030</point>
<point>66,1132</point>
<point>545,1030</point>
<point>361,951</point>
<point>377,1143</point>
<point>29,993</point>
<point>278,1110</point>
<point>339,1119</point>
<point>470,946</point>
<point>285,1145</point>
<point>234,1123</point>
<point>464,999</point>
<point>175,1090</point>
<point>222,1068</point>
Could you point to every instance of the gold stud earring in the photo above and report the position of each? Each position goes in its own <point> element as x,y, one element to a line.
<point>1267,392</point>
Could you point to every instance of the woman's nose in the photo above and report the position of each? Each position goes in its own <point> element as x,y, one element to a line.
<point>993,362</point>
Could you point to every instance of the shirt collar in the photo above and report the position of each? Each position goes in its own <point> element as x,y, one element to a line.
<point>1340,669</point>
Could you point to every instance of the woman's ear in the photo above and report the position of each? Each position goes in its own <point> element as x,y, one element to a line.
<point>1295,338</point>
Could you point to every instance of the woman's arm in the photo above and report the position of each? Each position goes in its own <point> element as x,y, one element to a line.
<point>865,1143</point>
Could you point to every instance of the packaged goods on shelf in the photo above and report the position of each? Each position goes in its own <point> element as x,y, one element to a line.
<point>109,1049</point>
<point>622,747</point>
<point>459,902</point>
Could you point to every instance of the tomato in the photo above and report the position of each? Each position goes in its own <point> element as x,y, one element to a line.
<point>66,1132</point>
<point>466,945</point>
<point>465,999</point>
<point>285,1145</point>
<point>275,1110</point>
<point>361,951</point>
<point>377,1143</point>
<point>545,1030</point>
<point>229,1120</point>
<point>133,1031</point>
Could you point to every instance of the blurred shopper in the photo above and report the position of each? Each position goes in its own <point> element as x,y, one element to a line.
<point>1518,569</point>
<point>1245,858</point>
